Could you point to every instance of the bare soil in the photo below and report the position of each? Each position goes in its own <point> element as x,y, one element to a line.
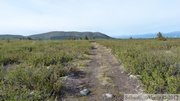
<point>101,74</point>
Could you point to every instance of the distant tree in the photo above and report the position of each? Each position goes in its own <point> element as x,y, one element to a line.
<point>86,38</point>
<point>93,38</point>
<point>69,38</point>
<point>29,38</point>
<point>80,38</point>
<point>131,37</point>
<point>160,37</point>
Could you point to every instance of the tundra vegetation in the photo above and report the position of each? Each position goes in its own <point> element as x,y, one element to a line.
<point>34,70</point>
<point>156,62</point>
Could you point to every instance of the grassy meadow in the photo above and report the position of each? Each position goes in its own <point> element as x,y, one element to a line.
<point>156,62</point>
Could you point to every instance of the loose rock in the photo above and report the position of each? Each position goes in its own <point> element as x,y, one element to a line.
<point>48,67</point>
<point>149,100</point>
<point>132,76</point>
<point>129,74</point>
<point>31,93</point>
<point>85,92</point>
<point>108,95</point>
<point>65,78</point>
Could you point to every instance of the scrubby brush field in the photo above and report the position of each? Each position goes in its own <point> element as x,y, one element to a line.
<point>33,69</point>
<point>156,62</point>
<point>36,69</point>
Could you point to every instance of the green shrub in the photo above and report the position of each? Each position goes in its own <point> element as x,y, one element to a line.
<point>157,62</point>
<point>33,70</point>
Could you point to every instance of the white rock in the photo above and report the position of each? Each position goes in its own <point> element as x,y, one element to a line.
<point>132,76</point>
<point>138,86</point>
<point>85,92</point>
<point>48,67</point>
<point>31,93</point>
<point>65,78</point>
<point>108,95</point>
<point>129,74</point>
<point>149,100</point>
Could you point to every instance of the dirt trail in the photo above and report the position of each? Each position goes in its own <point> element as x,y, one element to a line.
<point>102,74</point>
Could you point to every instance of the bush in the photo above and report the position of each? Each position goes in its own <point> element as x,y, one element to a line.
<point>33,70</point>
<point>156,62</point>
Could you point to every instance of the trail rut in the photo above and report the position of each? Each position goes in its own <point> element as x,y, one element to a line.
<point>101,74</point>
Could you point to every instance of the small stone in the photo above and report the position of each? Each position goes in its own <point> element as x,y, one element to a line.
<point>85,92</point>
<point>65,78</point>
<point>31,93</point>
<point>132,76</point>
<point>138,86</point>
<point>108,95</point>
<point>48,67</point>
<point>129,74</point>
<point>149,100</point>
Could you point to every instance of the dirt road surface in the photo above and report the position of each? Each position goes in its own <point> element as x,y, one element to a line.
<point>101,74</point>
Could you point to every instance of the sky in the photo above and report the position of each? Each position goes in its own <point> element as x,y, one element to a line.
<point>111,17</point>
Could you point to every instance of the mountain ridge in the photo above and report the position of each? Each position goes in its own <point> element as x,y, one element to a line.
<point>57,35</point>
<point>61,35</point>
<point>175,34</point>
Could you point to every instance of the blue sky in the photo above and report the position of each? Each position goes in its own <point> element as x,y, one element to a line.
<point>112,17</point>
